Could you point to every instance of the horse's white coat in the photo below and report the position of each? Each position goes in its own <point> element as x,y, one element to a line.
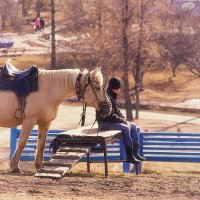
<point>55,86</point>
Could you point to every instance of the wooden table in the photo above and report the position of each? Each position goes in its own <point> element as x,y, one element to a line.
<point>73,145</point>
<point>87,137</point>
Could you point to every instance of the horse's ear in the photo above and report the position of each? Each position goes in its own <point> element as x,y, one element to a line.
<point>85,70</point>
<point>94,73</point>
<point>99,68</point>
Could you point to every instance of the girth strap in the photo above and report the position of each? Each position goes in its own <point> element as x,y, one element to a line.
<point>20,111</point>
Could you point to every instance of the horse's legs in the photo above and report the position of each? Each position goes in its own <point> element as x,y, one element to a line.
<point>42,134</point>
<point>27,126</point>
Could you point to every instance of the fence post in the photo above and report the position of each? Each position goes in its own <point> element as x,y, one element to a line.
<point>13,140</point>
<point>126,166</point>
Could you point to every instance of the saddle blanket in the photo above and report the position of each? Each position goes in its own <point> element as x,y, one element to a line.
<point>20,82</point>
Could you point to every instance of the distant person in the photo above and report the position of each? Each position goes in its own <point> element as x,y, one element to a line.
<point>42,24</point>
<point>117,121</point>
<point>37,24</point>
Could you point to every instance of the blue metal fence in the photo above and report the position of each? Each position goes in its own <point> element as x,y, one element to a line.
<point>154,146</point>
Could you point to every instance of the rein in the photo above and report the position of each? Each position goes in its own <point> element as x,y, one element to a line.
<point>80,94</point>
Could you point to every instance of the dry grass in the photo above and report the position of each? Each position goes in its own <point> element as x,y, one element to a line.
<point>159,88</point>
<point>23,62</point>
<point>115,169</point>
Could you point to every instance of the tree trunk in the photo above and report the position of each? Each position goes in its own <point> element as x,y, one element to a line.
<point>53,40</point>
<point>138,73</point>
<point>99,18</point>
<point>3,21</point>
<point>26,4</point>
<point>128,105</point>
<point>38,7</point>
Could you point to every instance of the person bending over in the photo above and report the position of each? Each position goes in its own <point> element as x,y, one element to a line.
<point>117,121</point>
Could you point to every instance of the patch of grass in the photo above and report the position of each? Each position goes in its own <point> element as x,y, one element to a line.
<point>182,87</point>
<point>149,171</point>
<point>187,172</point>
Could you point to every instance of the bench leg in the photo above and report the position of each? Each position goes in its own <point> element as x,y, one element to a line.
<point>136,169</point>
<point>88,162</point>
<point>105,158</point>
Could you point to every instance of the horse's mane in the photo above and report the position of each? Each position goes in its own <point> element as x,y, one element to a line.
<point>67,76</point>
<point>63,76</point>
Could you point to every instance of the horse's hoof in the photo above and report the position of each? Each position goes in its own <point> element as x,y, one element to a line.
<point>15,170</point>
<point>38,167</point>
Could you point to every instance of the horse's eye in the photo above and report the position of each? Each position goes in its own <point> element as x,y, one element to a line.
<point>98,87</point>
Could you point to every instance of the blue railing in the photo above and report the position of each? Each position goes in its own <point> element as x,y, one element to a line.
<point>154,146</point>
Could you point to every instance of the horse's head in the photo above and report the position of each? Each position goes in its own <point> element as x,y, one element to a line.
<point>93,92</point>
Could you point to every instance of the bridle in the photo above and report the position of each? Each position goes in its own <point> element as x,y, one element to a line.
<point>103,105</point>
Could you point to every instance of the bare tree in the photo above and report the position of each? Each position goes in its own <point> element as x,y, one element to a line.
<point>26,5</point>
<point>179,44</point>
<point>122,37</point>
<point>125,45</point>
<point>53,40</point>
<point>9,13</point>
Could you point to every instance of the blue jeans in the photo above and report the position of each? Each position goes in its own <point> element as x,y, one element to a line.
<point>130,136</point>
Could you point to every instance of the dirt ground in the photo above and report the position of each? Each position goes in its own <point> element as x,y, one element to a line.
<point>23,187</point>
<point>168,181</point>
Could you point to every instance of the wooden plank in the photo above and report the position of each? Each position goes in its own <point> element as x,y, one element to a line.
<point>54,170</point>
<point>71,153</point>
<point>87,132</point>
<point>47,175</point>
<point>79,141</point>
<point>75,149</point>
<point>61,162</point>
<point>67,155</point>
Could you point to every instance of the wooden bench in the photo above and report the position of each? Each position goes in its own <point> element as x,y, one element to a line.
<point>170,147</point>
<point>108,145</point>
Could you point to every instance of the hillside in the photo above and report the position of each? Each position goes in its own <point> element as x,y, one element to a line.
<point>158,87</point>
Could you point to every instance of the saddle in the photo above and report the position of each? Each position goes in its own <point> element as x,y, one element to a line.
<point>22,83</point>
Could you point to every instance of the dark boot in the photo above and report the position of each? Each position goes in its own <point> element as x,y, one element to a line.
<point>136,154</point>
<point>129,156</point>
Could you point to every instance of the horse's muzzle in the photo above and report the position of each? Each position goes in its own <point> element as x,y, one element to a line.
<point>105,108</point>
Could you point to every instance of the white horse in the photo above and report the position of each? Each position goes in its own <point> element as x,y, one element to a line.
<point>55,86</point>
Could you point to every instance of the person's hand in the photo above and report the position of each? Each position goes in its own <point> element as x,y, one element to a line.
<point>128,123</point>
<point>124,121</point>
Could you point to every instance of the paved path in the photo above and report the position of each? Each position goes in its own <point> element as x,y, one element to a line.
<point>35,43</point>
